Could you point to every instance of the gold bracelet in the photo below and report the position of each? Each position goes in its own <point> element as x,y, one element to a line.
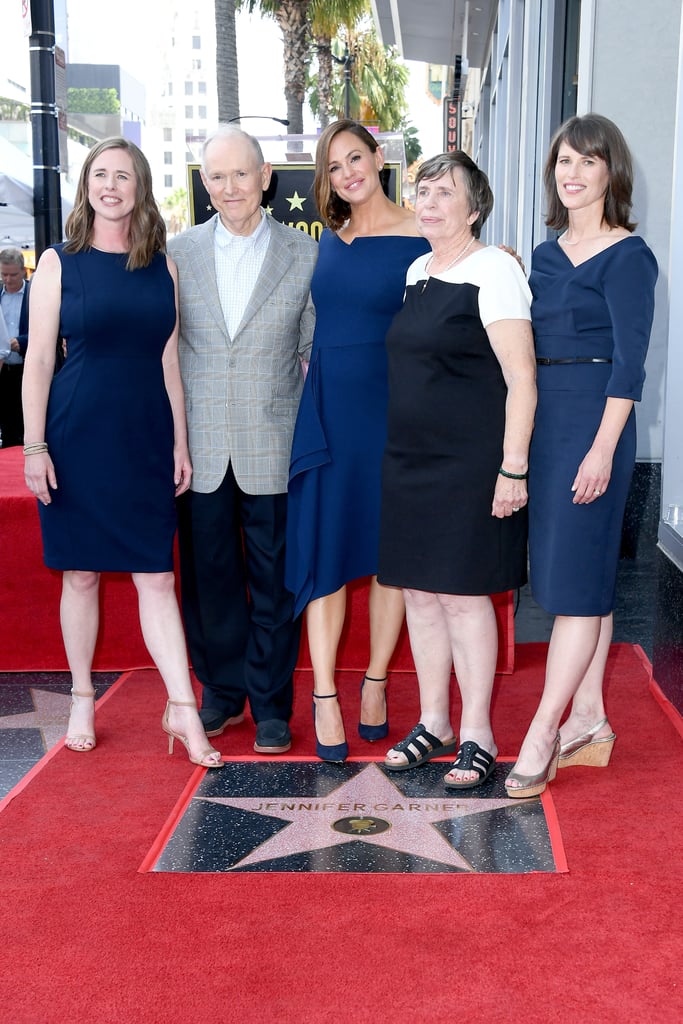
<point>36,448</point>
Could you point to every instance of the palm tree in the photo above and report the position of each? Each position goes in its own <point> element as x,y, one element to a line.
<point>327,17</point>
<point>174,211</point>
<point>377,86</point>
<point>411,142</point>
<point>227,79</point>
<point>291,16</point>
<point>377,89</point>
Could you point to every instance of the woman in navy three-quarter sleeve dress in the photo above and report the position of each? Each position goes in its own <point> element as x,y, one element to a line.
<point>592,310</point>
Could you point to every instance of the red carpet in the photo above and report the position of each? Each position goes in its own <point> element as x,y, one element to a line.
<point>85,936</point>
<point>34,643</point>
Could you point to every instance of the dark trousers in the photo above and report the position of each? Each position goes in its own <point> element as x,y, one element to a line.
<point>238,615</point>
<point>11,416</point>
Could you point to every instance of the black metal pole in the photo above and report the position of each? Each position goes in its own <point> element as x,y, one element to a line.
<point>347,86</point>
<point>347,61</point>
<point>47,205</point>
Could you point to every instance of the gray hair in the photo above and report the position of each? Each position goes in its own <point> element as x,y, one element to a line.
<point>479,194</point>
<point>231,131</point>
<point>12,255</point>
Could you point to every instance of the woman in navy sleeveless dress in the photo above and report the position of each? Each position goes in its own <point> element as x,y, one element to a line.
<point>106,443</point>
<point>593,302</point>
<point>109,421</point>
<point>334,488</point>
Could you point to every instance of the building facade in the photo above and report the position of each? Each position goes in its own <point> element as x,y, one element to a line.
<point>528,65</point>
<point>184,105</point>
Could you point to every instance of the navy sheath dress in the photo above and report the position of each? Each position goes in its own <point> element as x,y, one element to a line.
<point>109,424</point>
<point>601,309</point>
<point>334,484</point>
<point>446,423</point>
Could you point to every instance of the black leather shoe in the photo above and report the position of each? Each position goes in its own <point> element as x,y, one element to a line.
<point>272,737</point>
<point>215,721</point>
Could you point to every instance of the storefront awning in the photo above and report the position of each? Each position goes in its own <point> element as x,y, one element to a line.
<point>434,30</point>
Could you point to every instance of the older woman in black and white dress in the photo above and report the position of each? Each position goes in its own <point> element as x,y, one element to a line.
<point>461,405</point>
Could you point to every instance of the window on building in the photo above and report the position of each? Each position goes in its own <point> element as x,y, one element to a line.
<point>169,89</point>
<point>196,66</point>
<point>189,88</point>
<point>168,157</point>
<point>189,113</point>
<point>168,181</point>
<point>201,113</point>
<point>196,42</point>
<point>201,87</point>
<point>168,135</point>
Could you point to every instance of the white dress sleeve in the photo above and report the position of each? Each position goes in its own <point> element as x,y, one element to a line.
<point>503,290</point>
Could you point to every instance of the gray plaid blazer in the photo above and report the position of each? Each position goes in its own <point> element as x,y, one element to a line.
<point>242,393</point>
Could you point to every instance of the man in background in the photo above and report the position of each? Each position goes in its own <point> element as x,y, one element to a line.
<point>14,305</point>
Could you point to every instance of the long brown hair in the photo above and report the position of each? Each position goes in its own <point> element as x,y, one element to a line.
<point>593,135</point>
<point>147,228</point>
<point>333,210</point>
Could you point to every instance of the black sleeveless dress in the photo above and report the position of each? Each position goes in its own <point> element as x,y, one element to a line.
<point>446,423</point>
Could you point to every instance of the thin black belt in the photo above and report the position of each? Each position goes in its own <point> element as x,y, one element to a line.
<point>562,362</point>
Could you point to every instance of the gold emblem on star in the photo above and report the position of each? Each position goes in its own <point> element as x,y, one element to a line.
<point>361,826</point>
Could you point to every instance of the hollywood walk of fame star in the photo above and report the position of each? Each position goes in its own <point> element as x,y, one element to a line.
<point>50,716</point>
<point>296,202</point>
<point>368,795</point>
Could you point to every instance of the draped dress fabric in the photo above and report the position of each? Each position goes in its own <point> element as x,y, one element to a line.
<point>109,422</point>
<point>600,309</point>
<point>446,424</point>
<point>334,484</point>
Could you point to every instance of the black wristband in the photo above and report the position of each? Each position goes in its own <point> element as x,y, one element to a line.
<point>512,476</point>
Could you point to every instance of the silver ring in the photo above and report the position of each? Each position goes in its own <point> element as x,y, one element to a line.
<point>597,491</point>
<point>515,509</point>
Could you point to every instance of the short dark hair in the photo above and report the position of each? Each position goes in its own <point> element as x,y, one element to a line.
<point>593,135</point>
<point>333,210</point>
<point>479,194</point>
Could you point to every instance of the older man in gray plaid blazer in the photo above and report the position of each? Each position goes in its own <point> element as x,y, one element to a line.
<point>246,325</point>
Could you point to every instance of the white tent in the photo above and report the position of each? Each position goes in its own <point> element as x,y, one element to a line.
<point>16,197</point>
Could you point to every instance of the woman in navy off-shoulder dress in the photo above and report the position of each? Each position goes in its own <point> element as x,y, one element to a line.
<point>334,488</point>
<point>106,441</point>
<point>593,302</point>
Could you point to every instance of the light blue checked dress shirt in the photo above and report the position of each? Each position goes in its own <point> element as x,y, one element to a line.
<point>239,259</point>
